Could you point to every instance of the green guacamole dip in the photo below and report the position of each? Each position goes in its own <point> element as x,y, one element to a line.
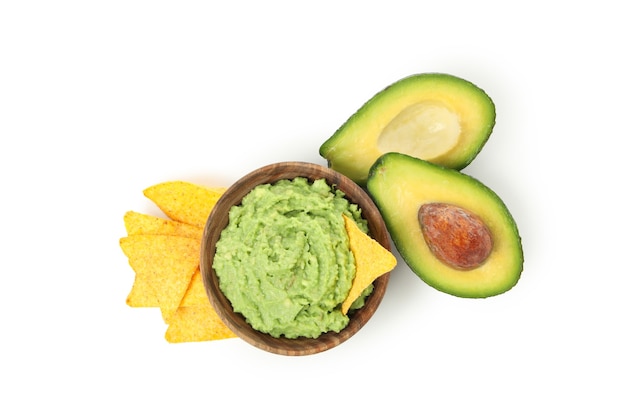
<point>284,260</point>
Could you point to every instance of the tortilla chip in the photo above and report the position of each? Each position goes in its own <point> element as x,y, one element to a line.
<point>196,294</point>
<point>163,268</point>
<point>372,260</point>
<point>145,224</point>
<point>185,202</point>
<point>196,324</point>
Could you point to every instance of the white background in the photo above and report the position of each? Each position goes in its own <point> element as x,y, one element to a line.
<point>99,100</point>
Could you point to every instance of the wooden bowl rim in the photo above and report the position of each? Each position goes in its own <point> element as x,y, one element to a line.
<point>218,219</point>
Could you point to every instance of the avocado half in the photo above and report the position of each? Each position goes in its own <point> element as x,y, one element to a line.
<point>401,185</point>
<point>436,117</point>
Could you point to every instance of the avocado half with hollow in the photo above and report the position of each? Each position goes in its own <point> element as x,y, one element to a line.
<point>436,117</point>
<point>454,232</point>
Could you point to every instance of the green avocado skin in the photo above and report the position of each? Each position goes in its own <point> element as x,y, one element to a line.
<point>399,184</point>
<point>352,149</point>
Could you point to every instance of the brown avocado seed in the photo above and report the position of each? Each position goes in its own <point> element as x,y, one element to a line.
<point>457,237</point>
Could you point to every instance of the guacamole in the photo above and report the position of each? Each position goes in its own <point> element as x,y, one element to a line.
<point>284,260</point>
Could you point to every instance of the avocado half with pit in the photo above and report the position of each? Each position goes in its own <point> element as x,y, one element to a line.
<point>436,117</point>
<point>453,231</point>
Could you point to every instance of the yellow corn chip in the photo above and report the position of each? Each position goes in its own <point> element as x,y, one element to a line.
<point>163,268</point>
<point>372,260</point>
<point>196,324</point>
<point>196,294</point>
<point>145,224</point>
<point>185,202</point>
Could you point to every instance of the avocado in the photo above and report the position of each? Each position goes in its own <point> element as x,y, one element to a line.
<point>453,231</point>
<point>437,117</point>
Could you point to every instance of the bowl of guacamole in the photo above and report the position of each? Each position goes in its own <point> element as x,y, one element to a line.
<point>276,262</point>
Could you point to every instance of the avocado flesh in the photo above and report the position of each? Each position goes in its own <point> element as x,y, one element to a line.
<point>400,184</point>
<point>437,117</point>
<point>427,130</point>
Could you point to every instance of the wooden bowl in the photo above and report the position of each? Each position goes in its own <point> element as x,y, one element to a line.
<point>218,220</point>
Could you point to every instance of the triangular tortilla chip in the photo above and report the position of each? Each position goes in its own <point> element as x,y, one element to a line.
<point>185,202</point>
<point>196,324</point>
<point>196,294</point>
<point>163,268</point>
<point>146,224</point>
<point>372,260</point>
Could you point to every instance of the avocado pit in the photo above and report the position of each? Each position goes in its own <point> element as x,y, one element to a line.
<point>457,237</point>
